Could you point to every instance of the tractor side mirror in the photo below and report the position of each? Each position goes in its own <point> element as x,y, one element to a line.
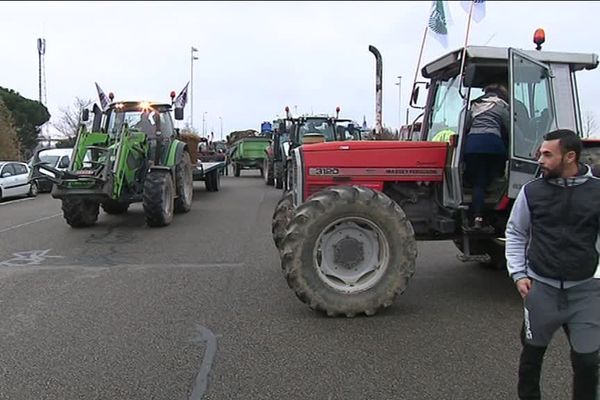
<point>414,97</point>
<point>85,115</point>
<point>97,118</point>
<point>178,113</point>
<point>469,77</point>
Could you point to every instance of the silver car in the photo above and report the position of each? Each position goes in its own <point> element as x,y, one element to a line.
<point>15,180</point>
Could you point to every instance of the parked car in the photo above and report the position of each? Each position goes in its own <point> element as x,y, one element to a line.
<point>15,180</point>
<point>55,158</point>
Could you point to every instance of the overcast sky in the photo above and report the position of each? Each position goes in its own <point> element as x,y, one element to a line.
<point>257,57</point>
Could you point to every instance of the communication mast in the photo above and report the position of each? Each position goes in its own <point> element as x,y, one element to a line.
<point>41,46</point>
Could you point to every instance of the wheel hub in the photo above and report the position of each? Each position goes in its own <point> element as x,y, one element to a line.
<point>348,252</point>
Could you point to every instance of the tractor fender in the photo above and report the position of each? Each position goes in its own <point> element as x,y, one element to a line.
<point>175,153</point>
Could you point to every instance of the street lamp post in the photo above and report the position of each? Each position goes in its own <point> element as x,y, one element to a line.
<point>193,57</point>
<point>203,123</point>
<point>221,135</point>
<point>399,102</point>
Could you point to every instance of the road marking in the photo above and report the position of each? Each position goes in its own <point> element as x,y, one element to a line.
<point>29,223</point>
<point>201,383</point>
<point>27,258</point>
<point>16,201</point>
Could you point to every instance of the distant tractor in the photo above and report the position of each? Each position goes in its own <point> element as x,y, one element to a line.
<point>131,154</point>
<point>356,209</point>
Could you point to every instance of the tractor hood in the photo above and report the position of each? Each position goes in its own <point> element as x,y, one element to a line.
<point>378,158</point>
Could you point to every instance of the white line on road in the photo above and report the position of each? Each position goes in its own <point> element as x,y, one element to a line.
<point>16,201</point>
<point>10,228</point>
<point>201,383</point>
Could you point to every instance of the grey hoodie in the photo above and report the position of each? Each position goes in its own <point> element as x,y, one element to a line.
<point>566,258</point>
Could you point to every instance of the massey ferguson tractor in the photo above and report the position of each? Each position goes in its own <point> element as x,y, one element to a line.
<point>131,154</point>
<point>356,209</point>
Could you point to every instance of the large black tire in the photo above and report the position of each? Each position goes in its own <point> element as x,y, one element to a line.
<point>213,181</point>
<point>284,211</point>
<point>184,184</point>
<point>159,198</point>
<point>114,207</point>
<point>278,174</point>
<point>268,175</point>
<point>349,219</point>
<point>80,212</point>
<point>236,170</point>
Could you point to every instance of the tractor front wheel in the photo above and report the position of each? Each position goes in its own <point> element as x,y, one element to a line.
<point>80,212</point>
<point>348,250</point>
<point>184,184</point>
<point>159,198</point>
<point>268,174</point>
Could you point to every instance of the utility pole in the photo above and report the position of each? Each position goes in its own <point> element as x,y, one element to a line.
<point>203,123</point>
<point>399,83</point>
<point>193,57</point>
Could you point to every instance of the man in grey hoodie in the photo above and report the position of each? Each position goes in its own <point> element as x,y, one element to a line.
<point>552,252</point>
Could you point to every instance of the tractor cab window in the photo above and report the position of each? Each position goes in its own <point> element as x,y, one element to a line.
<point>165,124</point>
<point>533,117</point>
<point>446,111</point>
<point>141,120</point>
<point>321,127</point>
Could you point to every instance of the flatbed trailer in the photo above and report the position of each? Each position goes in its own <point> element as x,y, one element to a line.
<point>210,173</point>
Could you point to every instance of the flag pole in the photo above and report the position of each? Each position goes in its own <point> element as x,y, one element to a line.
<point>464,51</point>
<point>419,60</point>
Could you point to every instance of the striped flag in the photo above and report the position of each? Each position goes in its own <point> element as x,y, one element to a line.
<point>104,100</point>
<point>439,20</point>
<point>478,8</point>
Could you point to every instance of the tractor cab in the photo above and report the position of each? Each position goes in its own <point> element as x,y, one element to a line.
<point>542,97</point>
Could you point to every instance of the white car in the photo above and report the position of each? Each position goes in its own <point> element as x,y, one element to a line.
<point>55,158</point>
<point>15,180</point>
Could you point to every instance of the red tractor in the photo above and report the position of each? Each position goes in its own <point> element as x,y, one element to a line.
<point>356,209</point>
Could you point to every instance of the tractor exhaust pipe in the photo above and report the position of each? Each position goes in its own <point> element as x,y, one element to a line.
<point>378,89</point>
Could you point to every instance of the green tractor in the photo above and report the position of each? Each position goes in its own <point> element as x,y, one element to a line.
<point>132,153</point>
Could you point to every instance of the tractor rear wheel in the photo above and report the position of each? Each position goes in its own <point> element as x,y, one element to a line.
<point>184,184</point>
<point>158,198</point>
<point>281,218</point>
<point>278,174</point>
<point>349,250</point>
<point>114,207</point>
<point>80,212</point>
<point>268,175</point>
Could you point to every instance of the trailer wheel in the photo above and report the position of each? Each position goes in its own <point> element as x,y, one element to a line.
<point>278,174</point>
<point>213,181</point>
<point>114,207</point>
<point>184,183</point>
<point>236,170</point>
<point>282,216</point>
<point>348,250</point>
<point>79,211</point>
<point>158,198</point>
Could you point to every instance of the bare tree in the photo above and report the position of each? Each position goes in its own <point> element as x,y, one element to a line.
<point>590,125</point>
<point>68,120</point>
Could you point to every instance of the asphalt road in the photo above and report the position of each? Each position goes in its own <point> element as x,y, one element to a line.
<point>200,310</point>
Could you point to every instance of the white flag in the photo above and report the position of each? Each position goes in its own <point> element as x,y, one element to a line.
<point>439,20</point>
<point>181,99</point>
<point>104,100</point>
<point>478,8</point>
